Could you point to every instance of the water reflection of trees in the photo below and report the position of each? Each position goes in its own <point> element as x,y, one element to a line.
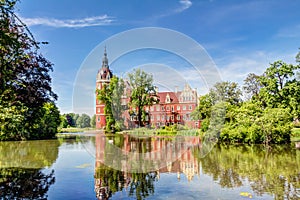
<point>109,181</point>
<point>274,171</point>
<point>21,168</point>
<point>28,154</point>
<point>136,162</point>
<point>22,183</point>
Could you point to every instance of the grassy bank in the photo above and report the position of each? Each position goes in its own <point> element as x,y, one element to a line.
<point>295,134</point>
<point>74,130</point>
<point>168,130</point>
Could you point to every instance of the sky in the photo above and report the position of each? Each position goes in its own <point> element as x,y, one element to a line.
<point>235,37</point>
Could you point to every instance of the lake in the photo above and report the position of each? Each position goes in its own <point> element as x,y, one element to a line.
<point>135,167</point>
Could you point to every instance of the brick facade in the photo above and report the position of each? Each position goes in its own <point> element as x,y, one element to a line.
<point>173,107</point>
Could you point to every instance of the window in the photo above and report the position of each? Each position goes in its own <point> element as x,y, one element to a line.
<point>178,117</point>
<point>157,108</point>
<point>152,117</point>
<point>98,110</point>
<point>158,117</point>
<point>152,108</point>
<point>172,117</point>
<point>168,108</point>
<point>162,108</point>
<point>168,118</point>
<point>162,117</point>
<point>184,107</point>
<point>172,108</point>
<point>190,107</point>
<point>178,107</point>
<point>98,118</point>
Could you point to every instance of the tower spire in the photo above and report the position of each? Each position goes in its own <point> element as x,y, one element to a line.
<point>104,59</point>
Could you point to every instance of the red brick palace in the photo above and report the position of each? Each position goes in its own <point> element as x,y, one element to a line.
<point>173,108</point>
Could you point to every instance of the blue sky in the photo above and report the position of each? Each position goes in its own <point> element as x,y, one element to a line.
<point>240,36</point>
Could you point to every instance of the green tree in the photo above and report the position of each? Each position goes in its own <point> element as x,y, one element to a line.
<point>93,121</point>
<point>117,85</point>
<point>252,85</point>
<point>63,121</point>
<point>48,124</point>
<point>83,121</point>
<point>280,87</point>
<point>25,83</point>
<point>203,110</point>
<point>143,93</point>
<point>298,57</point>
<point>110,95</point>
<point>226,91</point>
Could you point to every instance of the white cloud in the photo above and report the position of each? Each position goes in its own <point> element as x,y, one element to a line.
<point>236,68</point>
<point>101,20</point>
<point>289,32</point>
<point>185,4</point>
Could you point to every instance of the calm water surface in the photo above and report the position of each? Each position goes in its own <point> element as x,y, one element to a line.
<point>127,167</point>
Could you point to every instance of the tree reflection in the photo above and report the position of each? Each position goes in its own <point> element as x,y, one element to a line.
<point>21,183</point>
<point>21,168</point>
<point>109,181</point>
<point>273,171</point>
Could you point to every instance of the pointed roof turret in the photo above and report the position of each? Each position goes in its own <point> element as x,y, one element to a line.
<point>104,72</point>
<point>104,59</point>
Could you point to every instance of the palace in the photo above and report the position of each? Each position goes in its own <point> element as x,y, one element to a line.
<point>173,107</point>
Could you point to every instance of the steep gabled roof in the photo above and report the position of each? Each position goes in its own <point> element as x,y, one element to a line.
<point>173,97</point>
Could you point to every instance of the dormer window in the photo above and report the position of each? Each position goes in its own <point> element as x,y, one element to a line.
<point>168,100</point>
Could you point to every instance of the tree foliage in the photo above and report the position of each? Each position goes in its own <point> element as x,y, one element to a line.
<point>266,116</point>
<point>25,83</point>
<point>227,92</point>
<point>280,87</point>
<point>110,95</point>
<point>252,85</point>
<point>143,93</point>
<point>83,121</point>
<point>93,121</point>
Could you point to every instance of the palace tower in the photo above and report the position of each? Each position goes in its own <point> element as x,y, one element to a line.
<point>103,77</point>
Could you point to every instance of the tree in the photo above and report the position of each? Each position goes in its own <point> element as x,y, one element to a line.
<point>93,121</point>
<point>298,57</point>
<point>70,120</point>
<point>83,121</point>
<point>110,95</point>
<point>203,110</point>
<point>63,122</point>
<point>280,87</point>
<point>143,93</point>
<point>117,86</point>
<point>252,85</point>
<point>25,83</point>
<point>48,124</point>
<point>226,91</point>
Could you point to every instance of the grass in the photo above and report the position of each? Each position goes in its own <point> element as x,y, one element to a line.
<point>66,136</point>
<point>74,130</point>
<point>295,135</point>
<point>166,132</point>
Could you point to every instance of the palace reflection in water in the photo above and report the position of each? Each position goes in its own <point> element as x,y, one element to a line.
<point>134,163</point>
<point>140,167</point>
